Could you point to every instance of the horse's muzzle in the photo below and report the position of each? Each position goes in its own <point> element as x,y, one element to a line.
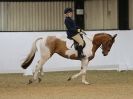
<point>105,54</point>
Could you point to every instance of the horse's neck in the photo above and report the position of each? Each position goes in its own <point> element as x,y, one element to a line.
<point>97,41</point>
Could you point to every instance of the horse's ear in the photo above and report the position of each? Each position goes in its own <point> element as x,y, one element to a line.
<point>114,36</point>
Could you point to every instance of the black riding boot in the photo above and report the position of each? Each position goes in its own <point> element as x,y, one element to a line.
<point>80,52</point>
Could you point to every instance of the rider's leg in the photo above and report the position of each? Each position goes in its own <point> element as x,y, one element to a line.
<point>80,41</point>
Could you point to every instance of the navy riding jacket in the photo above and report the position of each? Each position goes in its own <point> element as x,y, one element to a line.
<point>71,27</point>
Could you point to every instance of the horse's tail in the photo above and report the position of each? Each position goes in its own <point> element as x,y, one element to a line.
<point>31,55</point>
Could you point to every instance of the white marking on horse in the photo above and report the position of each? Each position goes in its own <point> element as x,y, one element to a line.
<point>88,48</point>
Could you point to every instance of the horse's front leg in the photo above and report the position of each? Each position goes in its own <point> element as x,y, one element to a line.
<point>84,81</point>
<point>84,64</point>
<point>41,71</point>
<point>84,69</point>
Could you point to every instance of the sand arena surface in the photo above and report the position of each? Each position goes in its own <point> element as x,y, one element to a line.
<point>54,85</point>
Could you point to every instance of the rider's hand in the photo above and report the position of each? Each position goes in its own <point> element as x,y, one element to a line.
<point>79,30</point>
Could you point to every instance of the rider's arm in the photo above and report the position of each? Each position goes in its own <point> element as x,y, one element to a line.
<point>70,25</point>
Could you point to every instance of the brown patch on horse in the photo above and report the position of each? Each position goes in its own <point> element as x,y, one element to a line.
<point>61,49</point>
<point>57,45</point>
<point>73,56</point>
<point>50,43</point>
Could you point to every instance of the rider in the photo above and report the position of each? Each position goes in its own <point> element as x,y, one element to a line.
<point>73,31</point>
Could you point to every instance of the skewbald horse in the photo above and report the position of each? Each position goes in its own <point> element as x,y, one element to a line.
<point>52,44</point>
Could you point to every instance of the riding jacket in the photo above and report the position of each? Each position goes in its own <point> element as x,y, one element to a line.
<point>71,27</point>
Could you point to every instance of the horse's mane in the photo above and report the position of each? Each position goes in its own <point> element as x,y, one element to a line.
<point>102,34</point>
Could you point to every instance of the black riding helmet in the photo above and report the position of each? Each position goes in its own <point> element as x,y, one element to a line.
<point>68,10</point>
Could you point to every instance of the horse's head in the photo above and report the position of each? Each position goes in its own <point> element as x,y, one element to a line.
<point>107,42</point>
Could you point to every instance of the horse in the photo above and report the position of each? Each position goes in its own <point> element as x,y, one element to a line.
<point>53,44</point>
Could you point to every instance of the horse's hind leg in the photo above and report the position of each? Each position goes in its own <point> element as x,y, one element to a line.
<point>37,69</point>
<point>41,71</point>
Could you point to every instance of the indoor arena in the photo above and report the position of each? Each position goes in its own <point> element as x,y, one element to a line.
<point>66,49</point>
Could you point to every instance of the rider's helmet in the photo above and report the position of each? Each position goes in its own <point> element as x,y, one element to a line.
<point>67,10</point>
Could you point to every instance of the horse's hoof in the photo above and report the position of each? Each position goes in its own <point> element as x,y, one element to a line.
<point>69,79</point>
<point>42,73</point>
<point>30,81</point>
<point>39,80</point>
<point>86,83</point>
